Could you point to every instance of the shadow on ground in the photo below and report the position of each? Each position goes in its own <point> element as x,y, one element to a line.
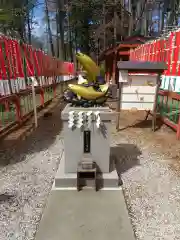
<point>143,124</point>
<point>124,157</point>
<point>49,126</point>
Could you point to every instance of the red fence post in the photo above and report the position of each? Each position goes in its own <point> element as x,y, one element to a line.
<point>178,130</point>
<point>42,96</point>
<point>7,108</point>
<point>17,103</point>
<point>54,89</point>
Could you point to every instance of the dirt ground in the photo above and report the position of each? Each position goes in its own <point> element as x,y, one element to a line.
<point>164,139</point>
<point>14,138</point>
<point>131,123</point>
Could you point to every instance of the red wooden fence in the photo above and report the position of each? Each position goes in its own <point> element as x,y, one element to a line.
<point>19,63</point>
<point>165,49</point>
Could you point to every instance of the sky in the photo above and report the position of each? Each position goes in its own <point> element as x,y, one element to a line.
<point>39,28</point>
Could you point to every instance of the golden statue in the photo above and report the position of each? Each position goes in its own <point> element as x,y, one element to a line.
<point>90,91</point>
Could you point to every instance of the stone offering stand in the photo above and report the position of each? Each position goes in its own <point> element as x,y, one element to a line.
<point>86,159</point>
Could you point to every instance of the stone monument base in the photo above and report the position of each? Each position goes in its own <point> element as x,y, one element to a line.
<point>98,146</point>
<point>69,180</point>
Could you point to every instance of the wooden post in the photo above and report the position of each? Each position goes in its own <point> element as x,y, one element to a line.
<point>178,130</point>
<point>34,104</point>
<point>118,109</point>
<point>158,83</point>
<point>119,105</point>
<point>107,70</point>
<point>18,109</point>
<point>42,96</point>
<point>54,90</point>
<point>114,68</point>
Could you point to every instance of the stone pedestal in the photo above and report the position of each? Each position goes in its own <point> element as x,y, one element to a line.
<point>74,147</point>
<point>99,139</point>
<point>113,89</point>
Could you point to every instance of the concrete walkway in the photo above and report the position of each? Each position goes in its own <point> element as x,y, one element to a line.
<point>85,215</point>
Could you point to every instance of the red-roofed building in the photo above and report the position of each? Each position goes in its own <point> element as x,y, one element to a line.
<point>119,53</point>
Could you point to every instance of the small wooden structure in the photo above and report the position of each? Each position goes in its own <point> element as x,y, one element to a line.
<point>142,67</point>
<point>120,52</point>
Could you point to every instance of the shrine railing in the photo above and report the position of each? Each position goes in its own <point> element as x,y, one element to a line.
<point>21,66</point>
<point>165,49</point>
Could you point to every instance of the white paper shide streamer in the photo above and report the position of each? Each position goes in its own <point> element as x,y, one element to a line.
<point>81,118</point>
<point>71,119</point>
<point>89,119</point>
<point>98,119</point>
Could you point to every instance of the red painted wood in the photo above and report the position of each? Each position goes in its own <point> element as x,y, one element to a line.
<point>172,95</point>
<point>169,123</point>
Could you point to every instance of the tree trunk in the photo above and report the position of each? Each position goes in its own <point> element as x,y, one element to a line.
<point>49,29</point>
<point>86,43</point>
<point>21,33</point>
<point>71,45</point>
<point>61,16</point>
<point>104,24</point>
<point>28,23</point>
<point>57,34</point>
<point>29,28</point>
<point>172,13</point>
<point>115,24</point>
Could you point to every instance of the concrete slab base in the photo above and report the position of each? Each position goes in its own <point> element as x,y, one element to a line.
<point>85,215</point>
<point>63,179</point>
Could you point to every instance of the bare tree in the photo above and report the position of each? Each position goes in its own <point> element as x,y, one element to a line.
<point>49,29</point>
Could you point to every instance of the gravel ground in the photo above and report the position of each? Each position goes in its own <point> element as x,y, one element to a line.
<point>148,163</point>
<point>26,182</point>
<point>151,178</point>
